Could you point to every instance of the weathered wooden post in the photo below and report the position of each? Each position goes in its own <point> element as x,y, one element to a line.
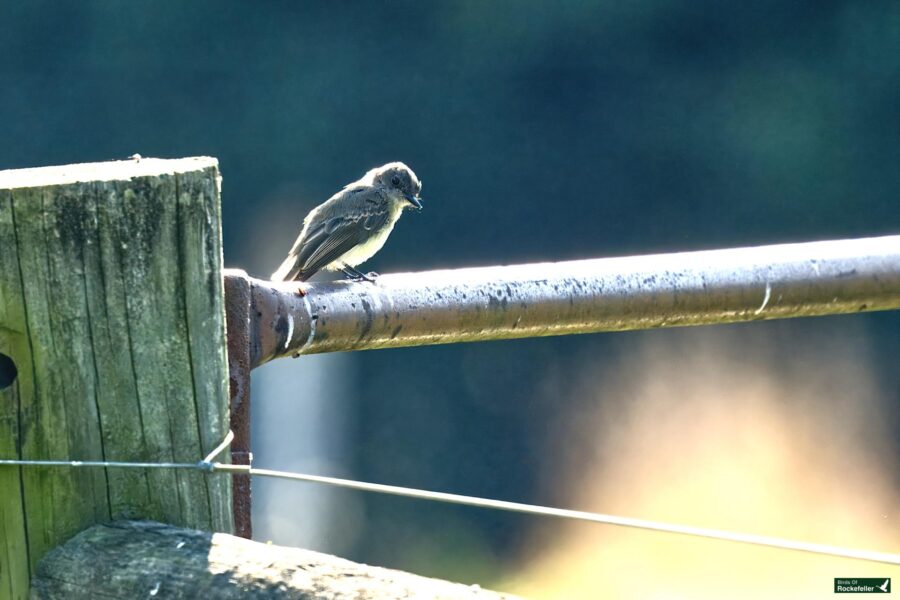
<point>112,338</point>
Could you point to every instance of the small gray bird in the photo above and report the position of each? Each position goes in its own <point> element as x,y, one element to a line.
<point>351,226</point>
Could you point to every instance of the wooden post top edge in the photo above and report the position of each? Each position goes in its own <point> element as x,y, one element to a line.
<point>113,170</point>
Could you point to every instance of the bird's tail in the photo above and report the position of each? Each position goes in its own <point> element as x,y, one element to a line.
<point>289,270</point>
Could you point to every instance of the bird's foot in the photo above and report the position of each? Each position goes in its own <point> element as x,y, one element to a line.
<point>356,275</point>
<point>370,277</point>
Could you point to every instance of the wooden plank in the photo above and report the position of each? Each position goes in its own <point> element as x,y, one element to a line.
<point>14,343</point>
<point>199,234</point>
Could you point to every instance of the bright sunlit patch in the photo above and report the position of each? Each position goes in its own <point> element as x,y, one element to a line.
<point>716,431</point>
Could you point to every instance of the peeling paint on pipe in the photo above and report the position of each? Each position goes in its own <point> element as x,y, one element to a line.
<point>585,296</point>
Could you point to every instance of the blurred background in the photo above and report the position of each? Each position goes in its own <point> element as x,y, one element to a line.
<point>542,131</point>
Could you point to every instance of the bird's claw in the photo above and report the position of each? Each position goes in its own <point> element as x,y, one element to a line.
<point>370,277</point>
<point>357,276</point>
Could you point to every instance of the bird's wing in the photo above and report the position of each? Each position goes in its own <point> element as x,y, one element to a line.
<point>336,236</point>
<point>305,257</point>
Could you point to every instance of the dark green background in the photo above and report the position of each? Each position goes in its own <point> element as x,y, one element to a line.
<point>541,130</point>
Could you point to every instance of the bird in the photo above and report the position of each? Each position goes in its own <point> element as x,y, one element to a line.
<point>351,226</point>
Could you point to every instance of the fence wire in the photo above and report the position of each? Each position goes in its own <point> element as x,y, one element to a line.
<point>209,466</point>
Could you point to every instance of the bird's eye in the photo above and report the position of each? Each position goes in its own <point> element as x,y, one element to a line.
<point>395,180</point>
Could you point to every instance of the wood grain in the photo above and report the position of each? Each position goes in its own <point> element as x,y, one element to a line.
<point>112,309</point>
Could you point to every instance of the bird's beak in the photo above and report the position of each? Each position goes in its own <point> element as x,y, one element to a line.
<point>413,200</point>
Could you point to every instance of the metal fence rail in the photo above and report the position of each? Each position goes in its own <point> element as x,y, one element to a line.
<point>585,296</point>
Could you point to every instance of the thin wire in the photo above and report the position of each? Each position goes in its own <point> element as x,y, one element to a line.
<point>208,466</point>
<point>204,465</point>
<point>103,464</point>
<point>746,538</point>
<point>219,449</point>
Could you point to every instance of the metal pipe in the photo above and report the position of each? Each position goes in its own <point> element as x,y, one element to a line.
<point>584,296</point>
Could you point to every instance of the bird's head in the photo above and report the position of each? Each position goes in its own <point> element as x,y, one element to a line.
<point>401,183</point>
